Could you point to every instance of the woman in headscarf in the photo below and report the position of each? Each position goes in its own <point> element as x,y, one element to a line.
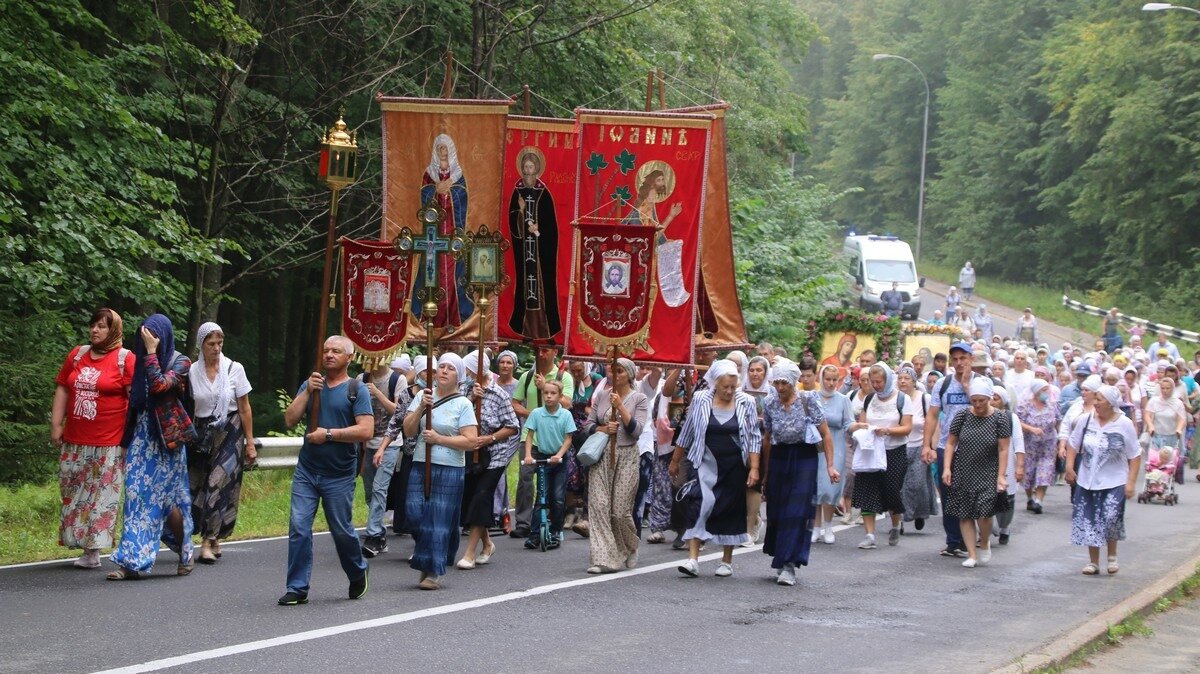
<point>722,439</point>
<point>506,367</point>
<point>398,488</point>
<point>920,489</point>
<point>225,444</point>
<point>91,400</point>
<point>1107,476</point>
<point>755,382</point>
<point>975,449</point>
<point>794,433</point>
<point>1081,407</point>
<point>983,323</point>
<point>158,505</point>
<point>497,443</point>
<point>1039,420</point>
<point>962,320</point>
<point>1166,418</point>
<point>739,359</point>
<point>838,417</point>
<point>619,411</point>
<point>1027,328</point>
<point>1015,471</point>
<point>888,414</point>
<point>435,521</point>
<point>953,299</point>
<point>858,395</point>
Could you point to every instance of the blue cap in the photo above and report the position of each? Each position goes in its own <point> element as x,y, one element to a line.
<point>960,346</point>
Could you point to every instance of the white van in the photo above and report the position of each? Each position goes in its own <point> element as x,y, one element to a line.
<point>874,262</point>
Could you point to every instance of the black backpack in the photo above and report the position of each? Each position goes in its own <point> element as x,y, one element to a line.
<point>900,400</point>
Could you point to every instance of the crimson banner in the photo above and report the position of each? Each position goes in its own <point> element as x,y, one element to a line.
<point>640,170</point>
<point>616,279</point>
<point>540,162</point>
<point>375,291</point>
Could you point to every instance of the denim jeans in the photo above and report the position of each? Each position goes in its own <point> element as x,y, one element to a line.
<point>949,522</point>
<point>380,480</point>
<point>336,497</point>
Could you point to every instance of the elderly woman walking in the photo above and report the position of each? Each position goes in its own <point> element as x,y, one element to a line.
<point>91,400</point>
<point>975,449</point>
<point>621,411</point>
<point>158,505</point>
<point>920,487</point>
<point>1111,456</point>
<point>794,433</point>
<point>435,520</point>
<point>722,439</point>
<point>1039,423</point>
<point>225,444</point>
<point>838,417</point>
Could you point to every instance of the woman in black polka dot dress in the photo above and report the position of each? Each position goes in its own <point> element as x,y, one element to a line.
<point>975,449</point>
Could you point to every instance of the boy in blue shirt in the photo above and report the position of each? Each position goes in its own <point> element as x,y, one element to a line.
<point>547,434</point>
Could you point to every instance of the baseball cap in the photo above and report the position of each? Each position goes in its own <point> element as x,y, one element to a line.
<point>1083,369</point>
<point>960,346</point>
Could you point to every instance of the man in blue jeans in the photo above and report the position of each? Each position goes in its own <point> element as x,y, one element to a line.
<point>327,471</point>
<point>947,399</point>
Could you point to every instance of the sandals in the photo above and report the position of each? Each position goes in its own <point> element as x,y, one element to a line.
<point>184,569</point>
<point>123,573</point>
<point>1113,567</point>
<point>1091,570</point>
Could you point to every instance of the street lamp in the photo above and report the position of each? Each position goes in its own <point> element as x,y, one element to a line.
<point>924,145</point>
<point>1160,6</point>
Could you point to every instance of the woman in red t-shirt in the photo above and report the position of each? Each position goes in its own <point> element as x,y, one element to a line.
<point>87,422</point>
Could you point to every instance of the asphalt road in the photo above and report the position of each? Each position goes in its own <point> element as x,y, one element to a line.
<point>1004,319</point>
<point>903,608</point>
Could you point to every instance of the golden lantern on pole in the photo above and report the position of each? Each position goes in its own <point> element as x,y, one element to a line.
<point>338,169</point>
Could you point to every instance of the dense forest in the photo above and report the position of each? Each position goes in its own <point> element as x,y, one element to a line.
<point>1063,140</point>
<point>161,156</point>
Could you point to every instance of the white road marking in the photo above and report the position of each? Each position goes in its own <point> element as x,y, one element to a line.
<point>310,635</point>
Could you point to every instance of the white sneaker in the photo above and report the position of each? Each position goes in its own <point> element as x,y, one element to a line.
<point>816,535</point>
<point>969,563</point>
<point>827,536</point>
<point>724,570</point>
<point>985,555</point>
<point>868,543</point>
<point>787,575</point>
<point>690,568</point>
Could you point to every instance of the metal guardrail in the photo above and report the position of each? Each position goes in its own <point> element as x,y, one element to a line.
<point>278,453</point>
<point>1150,326</point>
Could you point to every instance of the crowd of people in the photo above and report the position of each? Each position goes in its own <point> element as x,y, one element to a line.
<point>629,454</point>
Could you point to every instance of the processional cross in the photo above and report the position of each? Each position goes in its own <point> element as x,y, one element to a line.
<point>431,247</point>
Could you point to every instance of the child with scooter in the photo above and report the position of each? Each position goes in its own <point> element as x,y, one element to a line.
<point>547,436</point>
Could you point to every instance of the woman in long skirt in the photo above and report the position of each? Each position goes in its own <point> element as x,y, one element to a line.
<point>225,424</point>
<point>435,519</point>
<point>789,422</point>
<point>158,506</point>
<point>920,488</point>
<point>1111,456</point>
<point>838,417</point>
<point>722,439</point>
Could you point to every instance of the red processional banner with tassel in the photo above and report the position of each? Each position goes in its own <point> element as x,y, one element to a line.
<point>375,291</point>
<point>640,176</point>
<point>540,166</point>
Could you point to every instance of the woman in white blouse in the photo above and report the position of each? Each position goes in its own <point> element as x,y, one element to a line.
<point>226,426</point>
<point>1108,444</point>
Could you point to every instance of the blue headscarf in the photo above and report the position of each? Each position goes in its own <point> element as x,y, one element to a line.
<point>139,393</point>
<point>889,380</point>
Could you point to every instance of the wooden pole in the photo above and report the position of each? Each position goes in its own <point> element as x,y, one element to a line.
<point>448,77</point>
<point>613,415</point>
<point>663,89</point>
<point>314,397</point>
<point>428,311</point>
<point>526,92</point>
<point>484,304</point>
<point>649,89</point>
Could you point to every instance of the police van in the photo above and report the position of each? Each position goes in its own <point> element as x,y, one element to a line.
<point>874,262</point>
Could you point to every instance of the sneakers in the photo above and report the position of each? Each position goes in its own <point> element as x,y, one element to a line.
<point>724,570</point>
<point>1003,539</point>
<point>919,524</point>
<point>293,599</point>
<point>373,546</point>
<point>816,535</point>
<point>787,576</point>
<point>1037,508</point>
<point>689,568</point>
<point>868,543</point>
<point>827,536</point>
<point>969,563</point>
<point>893,536</point>
<point>953,551</point>
<point>655,537</point>
<point>985,555</point>
<point>554,542</point>
<point>358,588</point>
<point>848,517</point>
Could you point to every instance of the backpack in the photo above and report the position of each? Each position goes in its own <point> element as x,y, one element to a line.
<point>122,356</point>
<point>393,381</point>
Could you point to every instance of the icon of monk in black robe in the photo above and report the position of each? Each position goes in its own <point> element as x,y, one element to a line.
<point>534,230</point>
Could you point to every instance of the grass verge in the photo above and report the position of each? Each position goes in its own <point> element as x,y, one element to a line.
<point>1133,625</point>
<point>1045,302</point>
<point>29,516</point>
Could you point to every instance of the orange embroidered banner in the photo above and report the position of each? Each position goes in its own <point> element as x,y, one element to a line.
<point>444,151</point>
<point>645,169</point>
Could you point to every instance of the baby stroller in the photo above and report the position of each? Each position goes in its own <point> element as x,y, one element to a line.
<point>1160,477</point>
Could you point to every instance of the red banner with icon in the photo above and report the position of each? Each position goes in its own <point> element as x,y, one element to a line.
<point>640,170</point>
<point>375,292</point>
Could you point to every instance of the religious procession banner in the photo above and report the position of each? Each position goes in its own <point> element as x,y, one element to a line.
<point>375,291</point>
<point>444,153</point>
<point>638,171</point>
<point>719,322</point>
<point>540,167</point>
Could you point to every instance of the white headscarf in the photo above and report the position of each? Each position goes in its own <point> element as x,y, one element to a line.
<point>740,359</point>
<point>435,166</point>
<point>786,371</point>
<point>719,369</point>
<point>981,386</point>
<point>456,361</point>
<point>1112,394</point>
<point>471,361</point>
<point>420,366</point>
<point>1003,393</point>
<point>765,387</point>
<point>403,361</point>
<point>1092,383</point>
<point>198,377</point>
